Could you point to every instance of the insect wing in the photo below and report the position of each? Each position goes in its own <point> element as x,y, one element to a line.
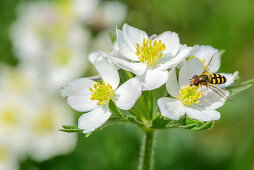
<point>221,92</point>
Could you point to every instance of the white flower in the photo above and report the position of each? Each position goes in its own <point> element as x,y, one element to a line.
<point>48,44</point>
<point>197,105</point>
<point>8,158</point>
<point>45,141</point>
<point>85,95</point>
<point>108,15</point>
<point>148,58</point>
<point>14,118</point>
<point>204,53</point>
<point>17,81</point>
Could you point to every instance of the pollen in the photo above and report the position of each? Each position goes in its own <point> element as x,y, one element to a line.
<point>189,95</point>
<point>101,92</point>
<point>150,51</point>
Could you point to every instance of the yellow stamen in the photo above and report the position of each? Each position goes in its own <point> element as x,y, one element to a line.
<point>102,93</point>
<point>150,51</point>
<point>189,95</point>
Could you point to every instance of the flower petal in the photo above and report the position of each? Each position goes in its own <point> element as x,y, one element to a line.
<point>78,94</point>
<point>190,68</point>
<point>108,71</point>
<point>172,84</point>
<point>171,41</point>
<point>203,115</point>
<point>153,78</point>
<point>171,108</point>
<point>230,78</point>
<point>134,34</point>
<point>127,94</point>
<point>94,119</point>
<point>94,55</point>
<point>211,100</point>
<point>166,62</point>
<point>126,47</point>
<point>205,53</point>
<point>136,68</point>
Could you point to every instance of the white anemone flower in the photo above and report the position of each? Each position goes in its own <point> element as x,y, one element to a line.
<point>86,95</point>
<point>204,53</point>
<point>149,57</point>
<point>189,99</point>
<point>45,140</point>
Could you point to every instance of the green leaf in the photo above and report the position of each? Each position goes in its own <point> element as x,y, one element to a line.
<point>70,129</point>
<point>114,110</point>
<point>134,120</point>
<point>188,123</point>
<point>235,89</point>
<point>112,37</point>
<point>160,122</point>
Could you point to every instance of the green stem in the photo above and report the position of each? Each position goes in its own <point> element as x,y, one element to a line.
<point>146,160</point>
<point>150,105</point>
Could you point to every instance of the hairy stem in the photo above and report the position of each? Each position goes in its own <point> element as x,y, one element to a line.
<point>146,157</point>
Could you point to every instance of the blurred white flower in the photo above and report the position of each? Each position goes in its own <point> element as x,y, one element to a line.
<point>108,15</point>
<point>18,81</point>
<point>8,159</point>
<point>149,58</point>
<point>85,95</point>
<point>49,44</point>
<point>189,100</point>
<point>46,141</point>
<point>14,120</point>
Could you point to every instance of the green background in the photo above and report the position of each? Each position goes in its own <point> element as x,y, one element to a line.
<point>224,24</point>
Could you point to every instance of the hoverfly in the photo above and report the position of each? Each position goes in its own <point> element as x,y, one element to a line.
<point>210,81</point>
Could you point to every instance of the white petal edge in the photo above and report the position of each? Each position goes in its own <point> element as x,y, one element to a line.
<point>90,121</point>
<point>171,108</point>
<point>125,46</point>
<point>190,68</point>
<point>230,78</point>
<point>205,52</point>
<point>134,34</point>
<point>203,115</point>
<point>78,94</point>
<point>172,84</point>
<point>107,71</point>
<point>171,41</point>
<point>136,68</point>
<point>127,94</point>
<point>173,61</point>
<point>153,78</point>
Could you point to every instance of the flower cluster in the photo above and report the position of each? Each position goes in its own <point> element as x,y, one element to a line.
<point>149,62</point>
<point>50,40</point>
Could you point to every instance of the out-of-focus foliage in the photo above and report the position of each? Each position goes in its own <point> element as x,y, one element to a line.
<point>224,24</point>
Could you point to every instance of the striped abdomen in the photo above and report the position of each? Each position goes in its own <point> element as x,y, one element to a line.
<point>217,79</point>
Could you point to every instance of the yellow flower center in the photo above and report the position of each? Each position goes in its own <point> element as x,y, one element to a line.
<point>189,95</point>
<point>62,57</point>
<point>102,93</point>
<point>3,154</point>
<point>45,122</point>
<point>9,118</point>
<point>18,82</point>
<point>150,51</point>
